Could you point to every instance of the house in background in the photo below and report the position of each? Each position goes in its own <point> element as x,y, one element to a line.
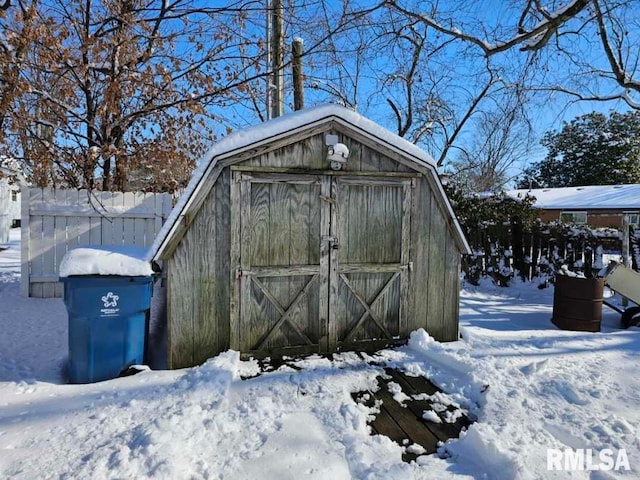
<point>9,208</point>
<point>594,205</point>
<point>11,177</point>
<point>14,205</point>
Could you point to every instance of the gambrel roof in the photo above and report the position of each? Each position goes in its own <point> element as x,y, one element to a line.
<point>282,131</point>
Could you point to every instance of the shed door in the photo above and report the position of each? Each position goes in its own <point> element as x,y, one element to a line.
<point>369,269</point>
<point>321,260</point>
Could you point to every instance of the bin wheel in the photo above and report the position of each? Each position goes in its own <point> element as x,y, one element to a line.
<point>631,317</point>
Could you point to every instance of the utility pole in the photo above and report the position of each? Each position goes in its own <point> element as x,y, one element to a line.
<point>297,48</point>
<point>267,91</point>
<point>277,58</point>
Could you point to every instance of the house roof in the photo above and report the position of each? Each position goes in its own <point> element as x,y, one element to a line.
<point>273,130</point>
<point>592,197</point>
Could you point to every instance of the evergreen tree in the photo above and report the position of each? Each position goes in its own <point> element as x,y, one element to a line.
<point>590,150</point>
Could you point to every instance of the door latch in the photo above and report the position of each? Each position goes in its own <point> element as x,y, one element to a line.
<point>332,240</point>
<point>330,200</point>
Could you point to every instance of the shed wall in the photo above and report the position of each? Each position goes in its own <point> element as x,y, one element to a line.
<point>198,283</point>
<point>200,275</point>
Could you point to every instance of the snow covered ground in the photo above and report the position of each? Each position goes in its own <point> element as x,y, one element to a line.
<point>531,386</point>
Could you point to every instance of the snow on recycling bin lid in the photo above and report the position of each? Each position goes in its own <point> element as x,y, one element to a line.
<point>126,261</point>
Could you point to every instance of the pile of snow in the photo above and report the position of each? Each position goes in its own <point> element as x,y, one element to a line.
<point>106,260</point>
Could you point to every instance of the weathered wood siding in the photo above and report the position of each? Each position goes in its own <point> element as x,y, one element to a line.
<point>436,268</point>
<point>400,223</point>
<point>198,283</point>
<point>311,153</point>
<point>279,244</point>
<point>369,228</point>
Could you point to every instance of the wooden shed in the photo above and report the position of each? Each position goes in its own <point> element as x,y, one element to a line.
<point>271,251</point>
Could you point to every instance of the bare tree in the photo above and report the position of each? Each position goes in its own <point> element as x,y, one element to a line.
<point>395,68</point>
<point>589,49</point>
<point>501,141</point>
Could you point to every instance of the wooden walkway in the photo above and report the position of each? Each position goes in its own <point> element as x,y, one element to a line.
<point>404,424</point>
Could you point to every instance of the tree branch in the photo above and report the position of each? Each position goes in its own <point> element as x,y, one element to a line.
<point>533,39</point>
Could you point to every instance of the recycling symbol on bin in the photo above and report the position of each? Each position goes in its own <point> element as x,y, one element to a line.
<point>110,300</point>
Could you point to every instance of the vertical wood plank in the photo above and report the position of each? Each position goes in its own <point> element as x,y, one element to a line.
<point>254,317</point>
<point>279,287</point>
<point>299,213</point>
<point>95,229</point>
<point>452,291</point>
<point>437,264</point>
<point>25,241</point>
<point>107,223</point>
<point>222,217</point>
<point>234,280</point>
<point>72,198</point>
<point>180,304</point>
<point>48,244</point>
<point>245,240</point>
<point>84,221</point>
<point>336,231</point>
<point>160,210</point>
<point>118,200</point>
<point>59,239</point>
<point>36,241</point>
<point>405,258</point>
<point>420,231</point>
<point>144,202</point>
<point>327,341</point>
<point>128,202</point>
<point>258,250</point>
<point>205,324</point>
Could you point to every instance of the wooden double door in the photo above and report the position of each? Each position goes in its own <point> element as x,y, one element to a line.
<point>322,261</point>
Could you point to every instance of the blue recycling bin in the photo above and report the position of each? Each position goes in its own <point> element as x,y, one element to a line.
<point>108,324</point>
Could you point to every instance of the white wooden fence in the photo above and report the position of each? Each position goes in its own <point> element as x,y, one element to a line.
<point>54,221</point>
<point>5,211</point>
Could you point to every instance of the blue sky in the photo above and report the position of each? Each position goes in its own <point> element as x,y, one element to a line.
<point>458,67</point>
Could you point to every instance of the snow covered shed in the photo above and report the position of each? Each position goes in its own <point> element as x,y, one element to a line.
<point>314,232</point>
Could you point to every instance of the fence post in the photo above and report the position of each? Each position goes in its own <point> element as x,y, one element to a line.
<point>25,198</point>
<point>159,211</point>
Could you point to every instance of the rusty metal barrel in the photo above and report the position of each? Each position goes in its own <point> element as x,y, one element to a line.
<point>577,303</point>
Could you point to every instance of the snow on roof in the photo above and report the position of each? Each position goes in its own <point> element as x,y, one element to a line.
<point>271,130</point>
<point>591,197</point>
<point>120,260</point>
<point>301,118</point>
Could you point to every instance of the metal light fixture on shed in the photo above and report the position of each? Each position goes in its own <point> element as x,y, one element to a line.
<point>337,154</point>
